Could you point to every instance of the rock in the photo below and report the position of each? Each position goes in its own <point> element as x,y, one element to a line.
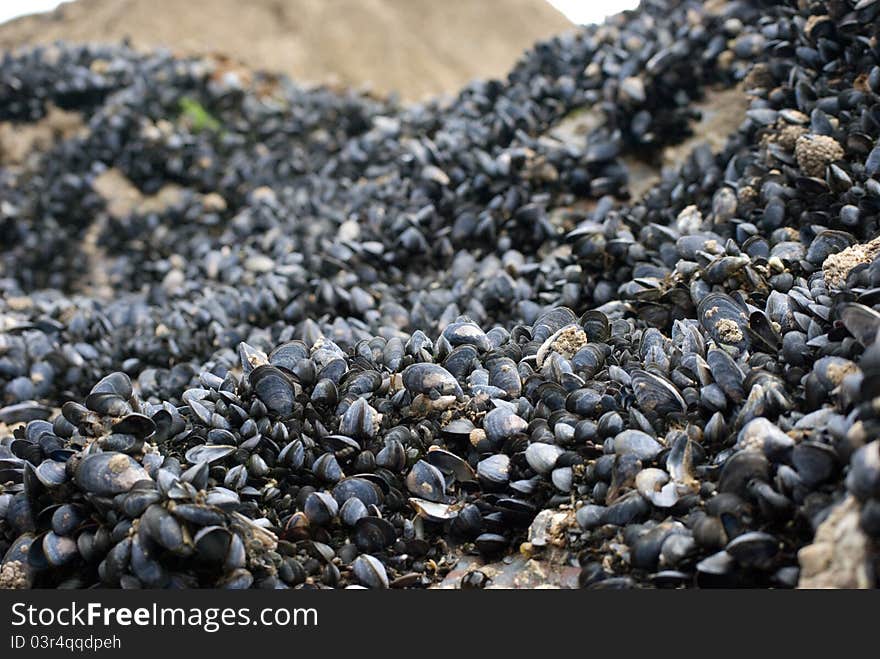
<point>838,556</point>
<point>549,528</point>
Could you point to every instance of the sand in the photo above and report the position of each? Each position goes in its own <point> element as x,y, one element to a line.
<point>419,48</point>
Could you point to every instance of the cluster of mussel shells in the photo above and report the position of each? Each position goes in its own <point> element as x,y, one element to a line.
<point>427,184</point>
<point>312,465</point>
<point>89,490</point>
<point>285,429</point>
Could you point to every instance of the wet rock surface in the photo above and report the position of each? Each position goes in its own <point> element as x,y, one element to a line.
<point>363,345</point>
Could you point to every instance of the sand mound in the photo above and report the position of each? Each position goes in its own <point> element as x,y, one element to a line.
<point>415,47</point>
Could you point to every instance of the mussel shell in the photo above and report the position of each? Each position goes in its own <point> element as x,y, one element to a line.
<point>373,534</point>
<point>494,471</point>
<point>504,375</point>
<point>117,383</point>
<point>370,572</point>
<point>754,549</point>
<point>352,510</point>
<point>138,425</point>
<point>51,473</point>
<point>489,544</point>
<point>724,320</point>
<point>199,514</point>
<point>208,453</point>
<point>542,457</point>
<point>863,479</point>
<point>274,389</point>
<point>145,564</point>
<point>425,481</point>
<point>161,527</point>
<point>106,474</point>
<point>450,463</point>
<point>656,394</point>
<point>502,423</point>
<point>327,468</point>
<point>742,467</point>
<point>321,508</point>
<point>362,489</point>
<point>212,543</point>
<point>360,420</point>
<point>66,518</point>
<point>425,378</point>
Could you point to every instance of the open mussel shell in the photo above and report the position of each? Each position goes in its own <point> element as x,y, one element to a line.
<point>212,543</point>
<point>656,486</point>
<point>754,549</point>
<point>566,341</point>
<point>138,425</point>
<point>208,453</point>
<point>450,463</point>
<point>862,322</point>
<point>433,511</point>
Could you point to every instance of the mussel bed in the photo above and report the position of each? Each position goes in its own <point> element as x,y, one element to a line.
<point>338,342</point>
